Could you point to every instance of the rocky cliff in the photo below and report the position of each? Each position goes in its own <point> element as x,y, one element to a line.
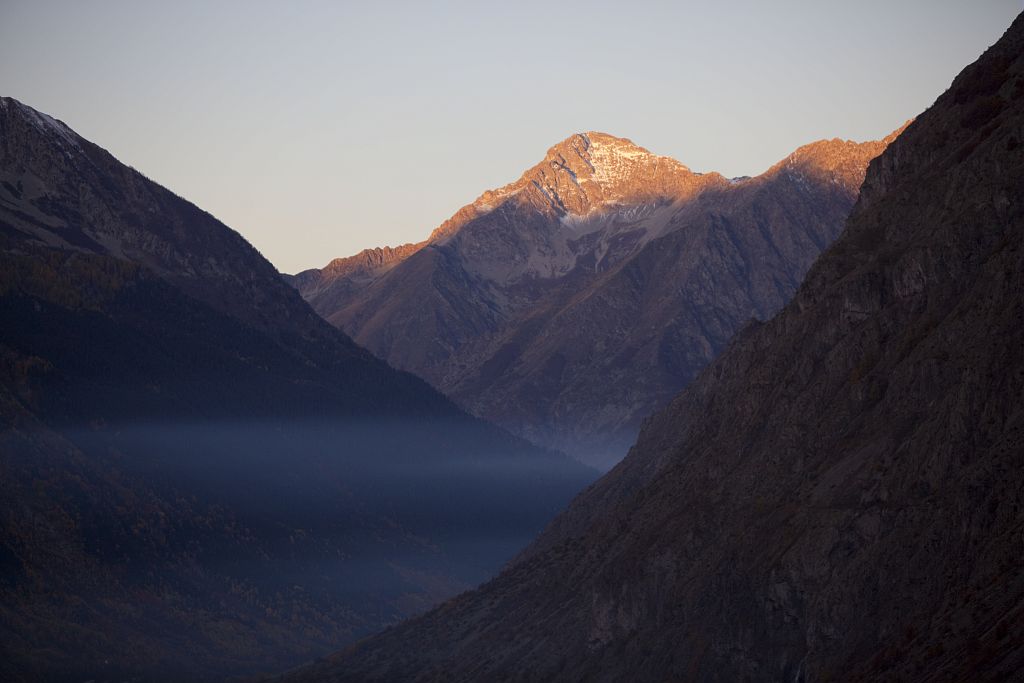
<point>838,496</point>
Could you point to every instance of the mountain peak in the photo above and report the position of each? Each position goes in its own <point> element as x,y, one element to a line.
<point>43,123</point>
<point>606,159</point>
<point>581,143</point>
<point>582,173</point>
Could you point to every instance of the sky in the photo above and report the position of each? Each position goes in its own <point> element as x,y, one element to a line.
<point>317,129</point>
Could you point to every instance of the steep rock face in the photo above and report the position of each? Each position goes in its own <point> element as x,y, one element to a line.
<point>838,496</point>
<point>573,302</point>
<point>201,478</point>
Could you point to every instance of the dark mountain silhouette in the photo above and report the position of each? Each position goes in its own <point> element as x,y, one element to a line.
<point>201,477</point>
<point>574,302</point>
<point>839,496</point>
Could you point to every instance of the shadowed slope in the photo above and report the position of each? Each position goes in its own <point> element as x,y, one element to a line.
<point>201,478</point>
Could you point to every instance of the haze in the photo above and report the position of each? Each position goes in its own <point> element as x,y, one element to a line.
<point>318,129</point>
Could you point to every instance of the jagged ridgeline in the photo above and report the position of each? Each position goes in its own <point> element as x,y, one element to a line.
<point>200,477</point>
<point>839,496</point>
<point>571,304</point>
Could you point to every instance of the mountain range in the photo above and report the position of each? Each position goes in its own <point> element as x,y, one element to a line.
<point>201,478</point>
<point>569,305</point>
<point>838,496</point>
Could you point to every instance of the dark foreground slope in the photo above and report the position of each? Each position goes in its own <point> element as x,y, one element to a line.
<point>199,476</point>
<point>574,302</point>
<point>840,496</point>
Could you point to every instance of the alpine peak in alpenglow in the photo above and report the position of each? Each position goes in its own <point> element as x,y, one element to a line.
<point>570,304</point>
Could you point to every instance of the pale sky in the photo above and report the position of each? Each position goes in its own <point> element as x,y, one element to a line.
<point>317,129</point>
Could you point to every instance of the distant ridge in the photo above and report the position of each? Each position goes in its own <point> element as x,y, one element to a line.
<point>571,303</point>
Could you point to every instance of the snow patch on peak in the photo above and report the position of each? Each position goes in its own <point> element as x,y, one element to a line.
<point>615,160</point>
<point>604,216</point>
<point>46,123</point>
